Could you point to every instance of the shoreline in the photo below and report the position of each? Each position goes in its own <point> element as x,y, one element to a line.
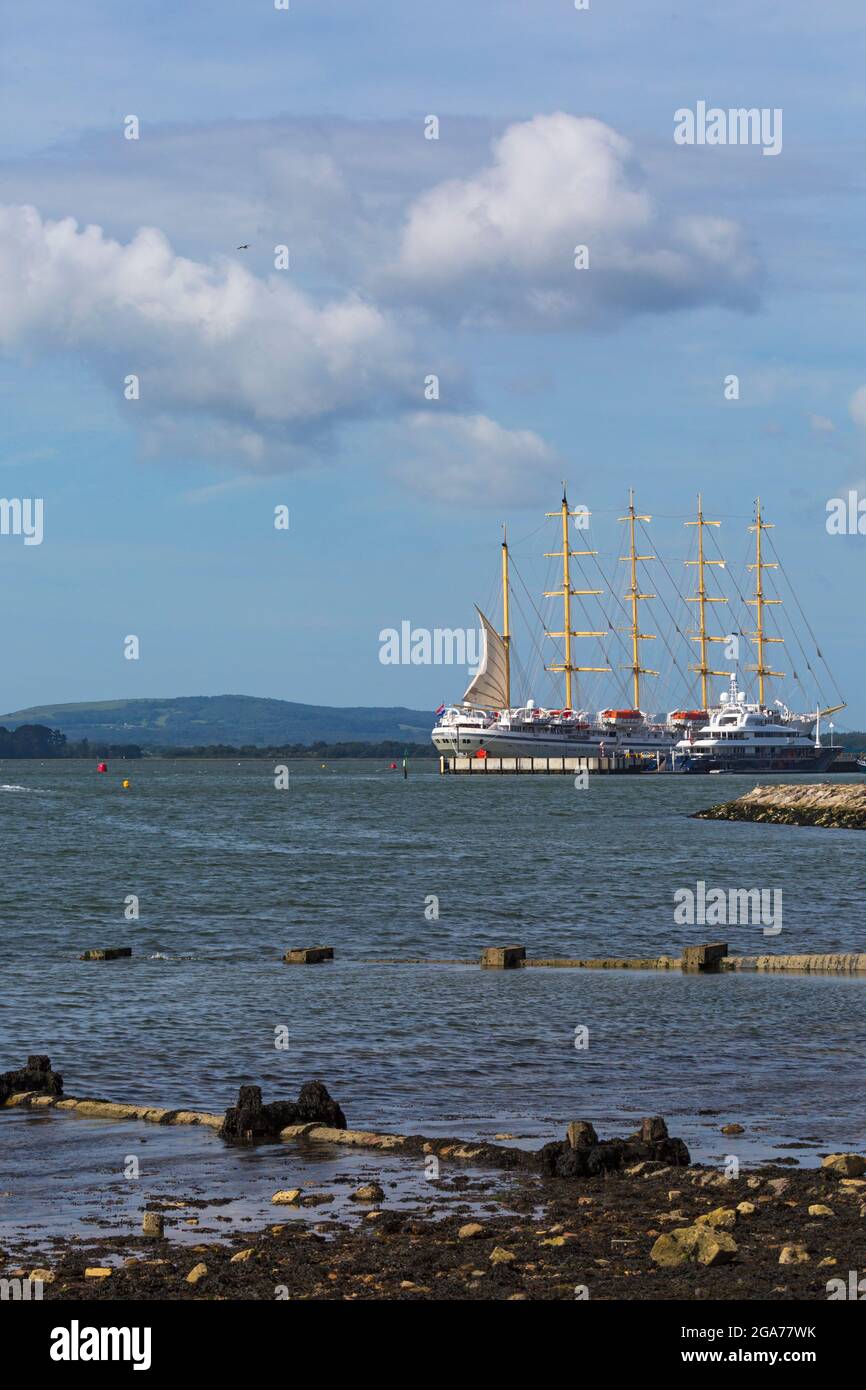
<point>596,1238</point>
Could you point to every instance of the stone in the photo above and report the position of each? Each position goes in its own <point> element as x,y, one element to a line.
<point>97,1272</point>
<point>693,1245</point>
<point>779,1186</point>
<point>707,957</point>
<point>818,1209</point>
<point>746,1208</point>
<point>733,1129</point>
<point>308,955</point>
<point>242,1256</point>
<point>107,953</point>
<point>36,1076</point>
<point>503,957</point>
<point>653,1129</point>
<point>847,1165</point>
<point>196,1274</point>
<point>152,1223</point>
<point>471,1231</point>
<point>369,1192</point>
<point>793,1254</point>
<point>722,1219</point>
<point>45,1276</point>
<point>500,1256</point>
<point>581,1132</point>
<point>251,1119</point>
<point>287,1198</point>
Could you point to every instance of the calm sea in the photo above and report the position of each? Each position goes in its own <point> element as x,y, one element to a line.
<point>229,872</point>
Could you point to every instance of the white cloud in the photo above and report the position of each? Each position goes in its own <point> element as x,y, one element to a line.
<point>821,424</point>
<point>498,248</point>
<point>857,407</point>
<point>470,460</point>
<point>265,369</point>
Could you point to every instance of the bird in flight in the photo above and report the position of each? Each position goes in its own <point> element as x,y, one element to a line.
<point>245,247</point>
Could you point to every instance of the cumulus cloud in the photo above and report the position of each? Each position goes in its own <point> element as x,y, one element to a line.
<point>272,372</point>
<point>498,248</point>
<point>470,460</point>
<point>821,424</point>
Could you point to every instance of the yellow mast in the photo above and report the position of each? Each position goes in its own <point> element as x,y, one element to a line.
<point>759,602</point>
<point>566,593</point>
<point>506,634</point>
<point>702,599</point>
<point>636,597</point>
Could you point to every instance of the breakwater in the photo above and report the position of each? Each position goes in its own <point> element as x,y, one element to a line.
<point>823,804</point>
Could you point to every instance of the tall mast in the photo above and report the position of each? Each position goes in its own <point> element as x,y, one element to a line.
<point>506,634</point>
<point>759,602</point>
<point>636,598</point>
<point>566,593</point>
<point>702,599</point>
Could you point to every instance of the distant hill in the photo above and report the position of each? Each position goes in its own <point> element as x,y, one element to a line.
<point>232,719</point>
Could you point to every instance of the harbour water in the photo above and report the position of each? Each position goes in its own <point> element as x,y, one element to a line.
<point>229,872</point>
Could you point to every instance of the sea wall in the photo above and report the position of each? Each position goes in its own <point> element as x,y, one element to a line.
<point>823,803</point>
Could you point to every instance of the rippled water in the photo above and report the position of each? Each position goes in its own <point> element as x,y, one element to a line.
<point>230,872</point>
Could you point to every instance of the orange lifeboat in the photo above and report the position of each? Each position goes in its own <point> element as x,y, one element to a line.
<point>689,714</point>
<point>622,714</point>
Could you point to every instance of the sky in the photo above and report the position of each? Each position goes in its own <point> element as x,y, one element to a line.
<point>164,392</point>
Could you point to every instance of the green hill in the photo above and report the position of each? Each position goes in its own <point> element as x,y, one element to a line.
<point>232,719</point>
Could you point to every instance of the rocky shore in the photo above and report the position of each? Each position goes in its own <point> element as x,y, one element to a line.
<point>650,1232</point>
<point>582,1217</point>
<point>824,803</point>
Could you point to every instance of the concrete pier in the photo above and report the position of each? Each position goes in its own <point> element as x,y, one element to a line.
<point>492,765</point>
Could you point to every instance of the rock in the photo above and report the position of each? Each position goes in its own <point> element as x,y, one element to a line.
<point>793,1254</point>
<point>287,1198</point>
<point>471,1231</point>
<point>308,955</point>
<point>733,1129</point>
<point>581,1133</point>
<point>847,1165</point>
<point>652,1130</point>
<point>242,1256</point>
<point>722,1219</point>
<point>45,1276</point>
<point>746,1208</point>
<point>97,1272</point>
<point>503,957</point>
<point>250,1119</point>
<point>827,1260</point>
<point>152,1223</point>
<point>818,1209</point>
<point>35,1076</point>
<point>693,1245</point>
<point>107,953</point>
<point>369,1192</point>
<point>650,1146</point>
<point>196,1274</point>
<point>500,1256</point>
<point>779,1186</point>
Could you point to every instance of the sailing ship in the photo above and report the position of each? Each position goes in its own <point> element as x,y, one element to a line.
<point>733,735</point>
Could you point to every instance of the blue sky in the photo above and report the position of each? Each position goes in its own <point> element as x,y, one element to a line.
<point>410,256</point>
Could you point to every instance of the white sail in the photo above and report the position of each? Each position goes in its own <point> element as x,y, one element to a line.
<point>489,687</point>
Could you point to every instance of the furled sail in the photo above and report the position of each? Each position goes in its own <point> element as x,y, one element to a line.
<point>489,687</point>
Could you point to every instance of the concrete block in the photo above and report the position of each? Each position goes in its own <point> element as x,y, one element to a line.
<point>308,955</point>
<point>503,957</point>
<point>707,957</point>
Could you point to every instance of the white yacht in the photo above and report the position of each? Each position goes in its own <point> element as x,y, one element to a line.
<point>745,737</point>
